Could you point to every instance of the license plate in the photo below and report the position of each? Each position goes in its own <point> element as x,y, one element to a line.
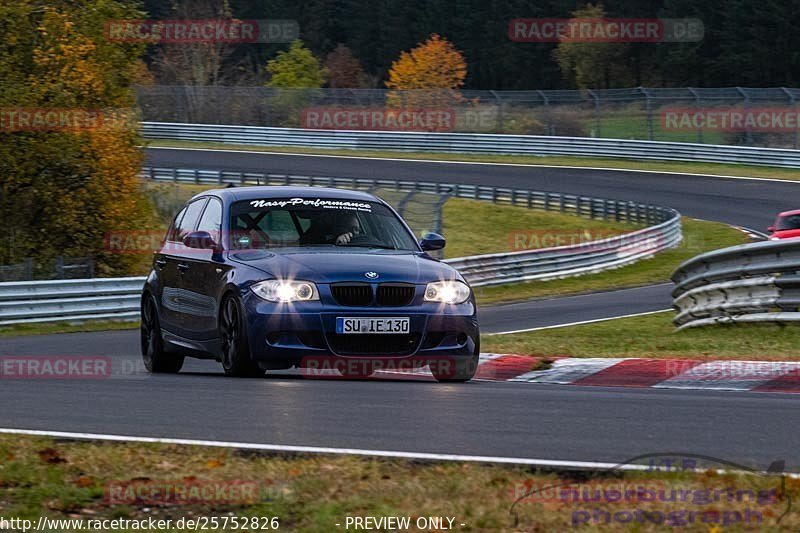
<point>352,326</point>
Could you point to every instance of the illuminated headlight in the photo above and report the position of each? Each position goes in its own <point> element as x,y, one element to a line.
<point>286,291</point>
<point>447,292</point>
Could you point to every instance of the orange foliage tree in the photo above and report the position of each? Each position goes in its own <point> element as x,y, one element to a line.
<point>63,189</point>
<point>433,71</point>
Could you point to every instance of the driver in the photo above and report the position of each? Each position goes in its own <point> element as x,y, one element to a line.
<point>332,228</point>
<point>347,227</point>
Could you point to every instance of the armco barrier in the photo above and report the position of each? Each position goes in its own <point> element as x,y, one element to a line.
<point>70,300</point>
<point>475,143</point>
<point>756,282</point>
<point>118,298</point>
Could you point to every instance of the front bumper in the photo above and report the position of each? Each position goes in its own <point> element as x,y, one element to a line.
<point>283,335</point>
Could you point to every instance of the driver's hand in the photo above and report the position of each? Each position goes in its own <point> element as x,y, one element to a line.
<point>344,238</point>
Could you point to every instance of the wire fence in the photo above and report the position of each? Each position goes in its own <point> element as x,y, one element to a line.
<point>63,268</point>
<point>731,115</point>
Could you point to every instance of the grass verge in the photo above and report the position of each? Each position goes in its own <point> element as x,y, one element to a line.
<point>698,237</point>
<point>680,167</point>
<point>96,481</point>
<point>653,336</point>
<point>474,227</point>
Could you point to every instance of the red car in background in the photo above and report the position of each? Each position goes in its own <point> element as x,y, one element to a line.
<point>787,226</point>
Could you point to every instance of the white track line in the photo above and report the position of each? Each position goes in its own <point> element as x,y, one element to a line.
<point>446,162</point>
<point>591,465</point>
<point>577,323</point>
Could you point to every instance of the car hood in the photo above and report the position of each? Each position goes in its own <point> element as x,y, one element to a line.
<point>330,266</point>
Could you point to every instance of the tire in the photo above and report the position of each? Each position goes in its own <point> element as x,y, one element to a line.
<point>465,368</point>
<point>156,359</point>
<point>236,360</point>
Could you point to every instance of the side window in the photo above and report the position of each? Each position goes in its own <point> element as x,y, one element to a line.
<point>280,227</point>
<point>211,221</point>
<point>172,233</point>
<point>189,220</point>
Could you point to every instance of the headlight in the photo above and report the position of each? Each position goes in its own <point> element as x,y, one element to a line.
<point>286,291</point>
<point>447,292</point>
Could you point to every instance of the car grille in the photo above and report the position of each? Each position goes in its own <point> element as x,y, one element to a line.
<point>404,344</point>
<point>395,295</point>
<point>361,295</point>
<point>352,294</point>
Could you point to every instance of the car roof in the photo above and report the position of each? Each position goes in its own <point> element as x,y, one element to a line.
<point>787,213</point>
<point>236,194</point>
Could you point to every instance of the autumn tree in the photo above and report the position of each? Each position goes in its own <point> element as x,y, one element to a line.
<point>64,189</point>
<point>294,73</point>
<point>296,68</point>
<point>344,69</point>
<point>594,65</point>
<point>434,70</point>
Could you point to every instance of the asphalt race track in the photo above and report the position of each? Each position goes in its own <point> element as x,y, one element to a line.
<point>749,203</point>
<point>518,420</point>
<point>476,418</point>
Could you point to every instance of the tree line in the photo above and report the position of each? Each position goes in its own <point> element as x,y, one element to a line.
<point>745,43</point>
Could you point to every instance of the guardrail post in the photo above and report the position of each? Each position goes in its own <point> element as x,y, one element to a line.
<point>597,131</point>
<point>500,112</point>
<point>793,103</point>
<point>649,108</point>
<point>699,106</point>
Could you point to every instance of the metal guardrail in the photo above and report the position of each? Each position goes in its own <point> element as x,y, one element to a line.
<point>476,143</point>
<point>70,300</point>
<point>758,282</point>
<point>629,113</point>
<point>118,298</point>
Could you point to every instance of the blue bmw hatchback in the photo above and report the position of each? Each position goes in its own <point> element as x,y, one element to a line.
<point>266,278</point>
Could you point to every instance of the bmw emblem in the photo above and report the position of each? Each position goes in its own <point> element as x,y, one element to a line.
<point>371,275</point>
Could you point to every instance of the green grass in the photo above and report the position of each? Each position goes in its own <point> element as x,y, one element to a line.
<point>474,227</point>
<point>312,493</point>
<point>624,126</point>
<point>699,237</point>
<point>653,336</point>
<point>599,162</point>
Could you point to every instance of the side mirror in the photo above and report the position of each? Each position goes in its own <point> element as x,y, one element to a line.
<point>771,229</point>
<point>201,240</point>
<point>432,241</point>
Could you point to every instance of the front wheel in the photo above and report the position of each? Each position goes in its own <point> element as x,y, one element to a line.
<point>236,360</point>
<point>156,359</point>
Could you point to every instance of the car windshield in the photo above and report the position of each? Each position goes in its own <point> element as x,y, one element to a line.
<point>316,222</point>
<point>788,222</point>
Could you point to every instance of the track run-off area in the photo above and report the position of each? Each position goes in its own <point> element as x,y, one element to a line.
<point>515,422</point>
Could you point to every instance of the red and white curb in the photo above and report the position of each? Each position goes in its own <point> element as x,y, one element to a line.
<point>719,375</point>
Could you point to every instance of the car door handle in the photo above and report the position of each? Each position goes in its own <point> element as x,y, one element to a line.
<point>183,267</point>
<point>161,263</point>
